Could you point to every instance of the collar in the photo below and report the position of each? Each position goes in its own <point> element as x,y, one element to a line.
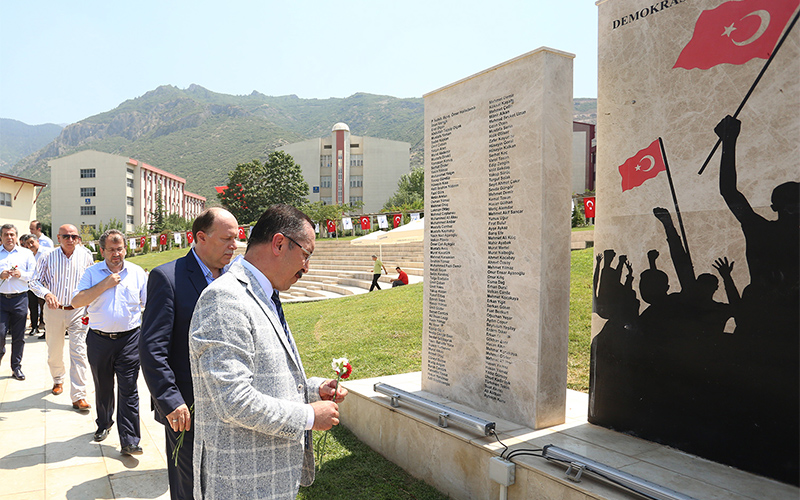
<point>266,285</point>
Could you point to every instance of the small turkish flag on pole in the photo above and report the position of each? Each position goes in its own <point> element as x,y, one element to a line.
<point>644,165</point>
<point>162,240</point>
<point>189,237</point>
<point>365,223</point>
<point>397,219</point>
<point>242,233</point>
<point>588,207</point>
<point>141,242</point>
<point>736,32</point>
<point>331,226</point>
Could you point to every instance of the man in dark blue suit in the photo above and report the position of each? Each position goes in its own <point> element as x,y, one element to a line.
<point>172,292</point>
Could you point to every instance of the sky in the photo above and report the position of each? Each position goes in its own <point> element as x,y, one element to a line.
<point>61,62</point>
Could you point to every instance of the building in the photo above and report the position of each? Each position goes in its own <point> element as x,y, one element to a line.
<point>346,168</point>
<point>584,149</point>
<point>18,201</point>
<point>90,188</point>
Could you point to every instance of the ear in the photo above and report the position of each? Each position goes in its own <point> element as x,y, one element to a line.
<point>278,241</point>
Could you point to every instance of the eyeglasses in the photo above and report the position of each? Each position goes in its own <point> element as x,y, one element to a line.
<point>69,236</point>
<point>306,253</point>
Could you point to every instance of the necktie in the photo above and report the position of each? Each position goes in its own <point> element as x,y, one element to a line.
<point>276,299</point>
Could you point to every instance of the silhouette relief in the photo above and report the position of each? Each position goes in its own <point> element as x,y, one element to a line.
<point>721,380</point>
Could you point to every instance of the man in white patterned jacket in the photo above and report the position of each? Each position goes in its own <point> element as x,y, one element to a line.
<point>254,407</point>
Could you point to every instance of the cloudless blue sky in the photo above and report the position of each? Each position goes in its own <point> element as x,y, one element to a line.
<point>61,62</point>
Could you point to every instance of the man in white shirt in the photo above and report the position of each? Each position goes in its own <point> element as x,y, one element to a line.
<point>115,292</point>
<point>36,230</point>
<point>35,304</point>
<point>57,278</point>
<point>17,267</point>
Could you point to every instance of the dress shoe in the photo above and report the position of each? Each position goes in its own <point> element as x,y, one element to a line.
<point>58,389</point>
<point>81,405</point>
<point>101,434</point>
<point>131,449</point>
<point>17,374</point>
<point>41,336</point>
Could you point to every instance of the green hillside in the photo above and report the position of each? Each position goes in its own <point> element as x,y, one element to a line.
<point>18,140</point>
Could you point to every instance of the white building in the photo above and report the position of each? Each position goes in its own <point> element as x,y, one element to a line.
<point>345,168</point>
<point>90,187</point>
<point>18,201</point>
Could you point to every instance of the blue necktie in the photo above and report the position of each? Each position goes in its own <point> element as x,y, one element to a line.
<point>276,299</point>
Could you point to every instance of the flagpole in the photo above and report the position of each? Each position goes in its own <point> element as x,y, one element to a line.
<point>752,87</point>
<point>674,198</point>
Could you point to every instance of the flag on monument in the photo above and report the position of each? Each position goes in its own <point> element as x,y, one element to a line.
<point>347,223</point>
<point>382,222</point>
<point>331,226</point>
<point>189,237</point>
<point>365,223</point>
<point>644,165</point>
<point>397,220</point>
<point>736,32</point>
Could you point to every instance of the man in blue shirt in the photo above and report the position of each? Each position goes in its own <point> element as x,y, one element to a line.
<point>116,292</point>
<point>17,266</point>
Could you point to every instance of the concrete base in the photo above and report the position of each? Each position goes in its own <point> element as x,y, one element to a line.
<point>457,462</point>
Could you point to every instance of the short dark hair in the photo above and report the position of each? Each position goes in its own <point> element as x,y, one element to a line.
<point>204,221</point>
<point>38,225</point>
<point>26,237</point>
<point>397,268</point>
<point>6,227</point>
<point>113,234</point>
<point>280,218</point>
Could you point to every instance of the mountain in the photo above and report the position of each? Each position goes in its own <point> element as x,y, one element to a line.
<point>201,135</point>
<point>18,140</point>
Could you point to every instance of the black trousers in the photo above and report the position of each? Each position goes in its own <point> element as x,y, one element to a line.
<point>180,476</point>
<point>13,314</point>
<point>375,282</point>
<point>35,309</point>
<point>110,358</point>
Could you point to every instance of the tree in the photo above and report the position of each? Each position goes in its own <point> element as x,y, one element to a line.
<point>410,191</point>
<point>158,217</point>
<point>252,187</point>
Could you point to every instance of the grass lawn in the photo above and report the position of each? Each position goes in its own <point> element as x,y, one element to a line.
<point>381,334</point>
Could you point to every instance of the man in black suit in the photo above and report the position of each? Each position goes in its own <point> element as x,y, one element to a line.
<point>172,292</point>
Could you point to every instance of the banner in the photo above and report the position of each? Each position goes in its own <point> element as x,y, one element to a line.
<point>397,219</point>
<point>588,207</point>
<point>347,223</point>
<point>331,226</point>
<point>414,217</point>
<point>177,238</point>
<point>365,222</point>
<point>189,237</point>
<point>153,241</point>
<point>141,242</point>
<point>132,243</point>
<point>382,222</point>
<point>242,233</point>
<point>162,239</point>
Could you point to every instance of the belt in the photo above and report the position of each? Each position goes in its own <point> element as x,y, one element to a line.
<point>114,335</point>
<point>12,295</point>
<point>66,308</point>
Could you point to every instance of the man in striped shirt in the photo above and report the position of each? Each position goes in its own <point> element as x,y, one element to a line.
<point>57,278</point>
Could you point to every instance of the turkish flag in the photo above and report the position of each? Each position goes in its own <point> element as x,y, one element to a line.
<point>736,32</point>
<point>365,223</point>
<point>141,242</point>
<point>397,219</point>
<point>331,226</point>
<point>644,165</point>
<point>162,240</point>
<point>189,237</point>
<point>588,207</point>
<point>242,233</point>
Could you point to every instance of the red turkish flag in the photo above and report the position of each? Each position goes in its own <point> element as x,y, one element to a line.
<point>189,237</point>
<point>331,226</point>
<point>588,207</point>
<point>646,164</point>
<point>365,223</point>
<point>736,32</point>
<point>242,233</point>
<point>141,242</point>
<point>397,219</point>
<point>162,240</point>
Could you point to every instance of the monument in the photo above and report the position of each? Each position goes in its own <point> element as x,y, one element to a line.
<point>695,331</point>
<point>496,309</point>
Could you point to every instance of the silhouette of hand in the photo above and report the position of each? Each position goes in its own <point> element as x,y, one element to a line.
<point>723,267</point>
<point>629,268</point>
<point>728,128</point>
<point>662,214</point>
<point>599,258</point>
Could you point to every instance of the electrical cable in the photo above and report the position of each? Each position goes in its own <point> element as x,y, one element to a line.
<point>493,433</point>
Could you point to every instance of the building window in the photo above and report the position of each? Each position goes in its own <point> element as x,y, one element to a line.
<point>5,199</point>
<point>130,219</point>
<point>87,192</point>
<point>326,200</point>
<point>325,161</point>
<point>90,210</point>
<point>327,146</point>
<point>325,181</point>
<point>130,171</point>
<point>130,201</point>
<point>355,145</point>
<point>130,182</point>
<point>87,173</point>
<point>354,199</point>
<point>356,181</point>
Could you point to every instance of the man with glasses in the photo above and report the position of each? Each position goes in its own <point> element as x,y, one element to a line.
<point>115,292</point>
<point>255,407</point>
<point>17,267</point>
<point>56,281</point>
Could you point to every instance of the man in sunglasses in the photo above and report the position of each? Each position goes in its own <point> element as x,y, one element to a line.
<point>56,280</point>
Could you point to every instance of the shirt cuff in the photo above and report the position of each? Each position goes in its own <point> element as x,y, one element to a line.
<point>310,417</point>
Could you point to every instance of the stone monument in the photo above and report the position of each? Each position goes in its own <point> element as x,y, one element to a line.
<point>497,168</point>
<point>695,331</point>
